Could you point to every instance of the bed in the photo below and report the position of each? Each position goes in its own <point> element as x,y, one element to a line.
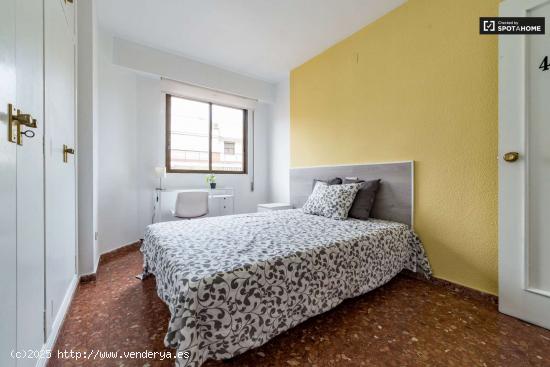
<point>232,283</point>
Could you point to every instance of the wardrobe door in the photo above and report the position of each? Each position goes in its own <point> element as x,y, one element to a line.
<point>30,179</point>
<point>8,225</point>
<point>60,150</point>
<point>21,182</point>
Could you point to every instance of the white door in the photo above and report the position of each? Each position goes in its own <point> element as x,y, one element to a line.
<point>30,179</point>
<point>21,181</point>
<point>524,183</point>
<point>8,182</point>
<point>59,78</point>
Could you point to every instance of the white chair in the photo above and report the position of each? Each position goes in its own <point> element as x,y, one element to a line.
<point>191,204</point>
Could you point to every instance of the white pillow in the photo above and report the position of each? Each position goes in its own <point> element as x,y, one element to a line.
<point>332,201</point>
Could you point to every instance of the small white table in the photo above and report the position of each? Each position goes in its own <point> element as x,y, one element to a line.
<point>273,206</point>
<point>220,202</point>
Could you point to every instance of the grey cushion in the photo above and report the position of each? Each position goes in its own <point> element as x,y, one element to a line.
<point>330,181</point>
<point>364,200</point>
<point>332,201</point>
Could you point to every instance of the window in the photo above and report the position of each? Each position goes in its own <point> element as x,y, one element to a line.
<point>229,147</point>
<point>204,137</point>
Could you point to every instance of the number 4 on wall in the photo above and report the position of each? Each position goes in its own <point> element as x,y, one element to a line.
<point>544,66</point>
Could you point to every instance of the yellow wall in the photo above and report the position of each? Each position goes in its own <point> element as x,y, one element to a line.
<point>418,84</point>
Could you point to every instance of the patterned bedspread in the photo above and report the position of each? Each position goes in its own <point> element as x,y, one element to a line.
<point>232,283</point>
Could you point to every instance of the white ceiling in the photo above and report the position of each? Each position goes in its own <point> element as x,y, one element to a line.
<point>261,38</point>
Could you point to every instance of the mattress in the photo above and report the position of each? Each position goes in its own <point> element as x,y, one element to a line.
<point>232,283</point>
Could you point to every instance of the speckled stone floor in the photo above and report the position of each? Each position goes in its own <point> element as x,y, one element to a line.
<point>405,323</point>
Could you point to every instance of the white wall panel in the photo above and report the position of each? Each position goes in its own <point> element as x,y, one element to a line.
<point>117,152</point>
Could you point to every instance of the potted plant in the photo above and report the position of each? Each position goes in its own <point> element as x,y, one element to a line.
<point>211,179</point>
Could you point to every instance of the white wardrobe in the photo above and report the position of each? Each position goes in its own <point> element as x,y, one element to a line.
<point>37,175</point>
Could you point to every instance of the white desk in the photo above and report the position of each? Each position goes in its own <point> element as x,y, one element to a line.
<point>268,207</point>
<point>220,202</point>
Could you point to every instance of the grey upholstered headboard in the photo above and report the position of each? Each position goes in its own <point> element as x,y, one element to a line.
<point>394,200</point>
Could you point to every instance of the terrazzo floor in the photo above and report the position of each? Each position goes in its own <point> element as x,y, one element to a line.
<point>405,323</point>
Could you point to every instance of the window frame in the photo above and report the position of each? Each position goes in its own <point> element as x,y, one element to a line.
<point>167,144</point>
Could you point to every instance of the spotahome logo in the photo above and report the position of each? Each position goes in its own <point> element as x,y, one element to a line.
<point>512,25</point>
<point>489,25</point>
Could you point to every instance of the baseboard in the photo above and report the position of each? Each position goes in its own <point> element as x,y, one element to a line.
<point>58,322</point>
<point>456,288</point>
<point>105,257</point>
<point>96,265</point>
<point>86,278</point>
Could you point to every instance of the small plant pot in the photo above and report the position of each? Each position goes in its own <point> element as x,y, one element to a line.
<point>212,185</point>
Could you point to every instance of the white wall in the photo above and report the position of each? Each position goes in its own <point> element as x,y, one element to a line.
<point>117,152</point>
<point>87,137</point>
<point>279,145</point>
<point>131,137</point>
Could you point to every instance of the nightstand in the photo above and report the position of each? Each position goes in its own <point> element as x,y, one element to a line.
<point>273,206</point>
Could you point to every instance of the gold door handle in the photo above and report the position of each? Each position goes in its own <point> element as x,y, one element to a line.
<point>26,119</point>
<point>21,118</point>
<point>511,156</point>
<point>15,120</point>
<point>68,1</point>
<point>66,152</point>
